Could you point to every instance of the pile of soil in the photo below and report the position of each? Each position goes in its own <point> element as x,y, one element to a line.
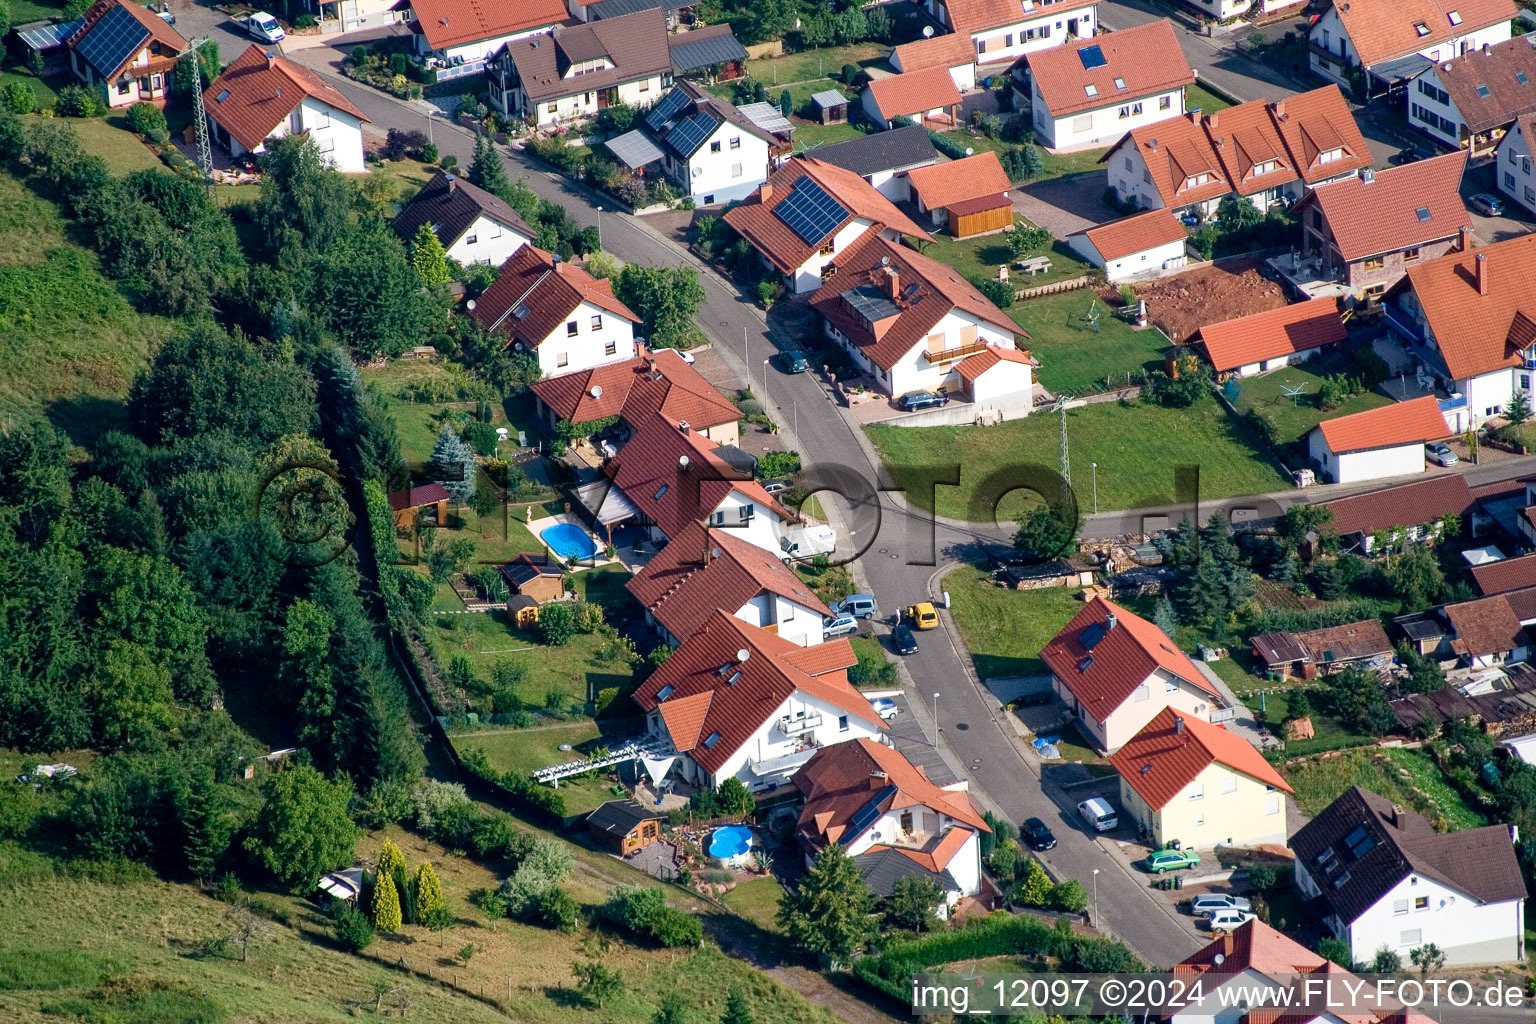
<point>1182,304</point>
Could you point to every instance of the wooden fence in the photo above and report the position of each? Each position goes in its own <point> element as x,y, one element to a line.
<point>1071,284</point>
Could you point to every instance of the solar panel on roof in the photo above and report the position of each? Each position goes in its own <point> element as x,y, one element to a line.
<point>43,36</point>
<point>810,212</point>
<point>112,40</point>
<point>867,815</point>
<point>690,134</point>
<point>1092,57</point>
<point>670,104</point>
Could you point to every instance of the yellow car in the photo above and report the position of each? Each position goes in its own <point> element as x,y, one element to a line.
<point>922,616</point>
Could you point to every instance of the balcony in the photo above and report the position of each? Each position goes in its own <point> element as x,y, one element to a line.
<point>940,356</point>
<point>794,725</point>
<point>785,764</point>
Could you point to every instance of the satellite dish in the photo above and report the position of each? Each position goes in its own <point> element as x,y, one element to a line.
<point>682,461</point>
<point>1220,958</point>
<point>927,31</point>
<point>597,391</point>
<point>969,151</point>
<point>470,305</point>
<point>743,655</point>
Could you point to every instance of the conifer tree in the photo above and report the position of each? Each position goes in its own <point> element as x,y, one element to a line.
<point>456,463</point>
<point>390,858</point>
<point>737,1009</point>
<point>429,892</point>
<point>386,904</point>
<point>487,170</point>
<point>429,256</point>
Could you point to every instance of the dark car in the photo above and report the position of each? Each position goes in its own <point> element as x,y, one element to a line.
<point>1413,154</point>
<point>902,640</point>
<point>792,362</point>
<point>1037,834</point>
<point>914,400</point>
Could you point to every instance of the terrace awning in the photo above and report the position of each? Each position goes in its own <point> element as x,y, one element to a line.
<point>606,502</point>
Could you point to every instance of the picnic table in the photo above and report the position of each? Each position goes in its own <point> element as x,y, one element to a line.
<point>1035,265</point>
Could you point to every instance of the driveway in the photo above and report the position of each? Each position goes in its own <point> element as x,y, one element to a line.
<point>1065,205</point>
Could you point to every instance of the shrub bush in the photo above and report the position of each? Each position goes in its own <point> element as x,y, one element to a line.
<point>999,293</point>
<point>145,118</point>
<point>16,96</point>
<point>76,100</point>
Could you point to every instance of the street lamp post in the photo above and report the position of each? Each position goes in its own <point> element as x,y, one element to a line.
<point>1095,466</point>
<point>599,227</point>
<point>1095,910</point>
<point>765,379</point>
<point>795,405</point>
<point>935,719</point>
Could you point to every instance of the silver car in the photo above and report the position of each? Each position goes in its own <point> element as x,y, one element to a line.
<point>1210,903</point>
<point>1440,455</point>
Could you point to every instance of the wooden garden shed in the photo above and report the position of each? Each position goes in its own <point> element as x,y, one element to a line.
<point>979,216</point>
<point>404,504</point>
<point>523,611</point>
<point>830,106</point>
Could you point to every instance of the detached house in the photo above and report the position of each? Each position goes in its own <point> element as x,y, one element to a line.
<point>912,322</point>
<point>987,37</point>
<point>893,821</point>
<point>1392,41</point>
<point>927,97</point>
<point>1470,319</point>
<point>127,51</point>
<point>1091,92</point>
<point>1387,879</point>
<point>1139,246</point>
<point>1487,632</point>
<point>1471,101</point>
<point>1370,229</point>
<point>461,34</point>
<point>1260,151</point>
<point>1416,507</point>
<point>262,96</point>
<point>714,152</point>
<point>1382,442</point>
<point>578,70</point>
<point>884,160</point>
<point>703,570</point>
<point>637,389</point>
<point>565,317</point>
<point>1185,779</point>
<point>1116,672</point>
<point>473,225</point>
<point>808,212</point>
<point>1272,339</point>
<point>1512,162</point>
<point>735,701</point>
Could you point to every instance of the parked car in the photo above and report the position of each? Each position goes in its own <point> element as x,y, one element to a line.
<point>1412,155</point>
<point>1037,834</point>
<point>1440,455</point>
<point>264,28</point>
<point>1487,205</point>
<point>1226,920</point>
<point>1214,902</point>
<point>860,606</point>
<point>922,615</point>
<point>1098,814</point>
<point>914,400</point>
<point>791,362</point>
<point>839,625</point>
<point>886,708</point>
<point>902,641</point>
<point>1171,860</point>
<point>166,16</point>
<point>775,486</point>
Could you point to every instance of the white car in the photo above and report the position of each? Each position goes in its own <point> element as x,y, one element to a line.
<point>1227,920</point>
<point>264,28</point>
<point>885,708</point>
<point>1215,902</point>
<point>839,625</point>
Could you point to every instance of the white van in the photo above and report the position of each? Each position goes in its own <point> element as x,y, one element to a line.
<point>1098,814</point>
<point>860,606</point>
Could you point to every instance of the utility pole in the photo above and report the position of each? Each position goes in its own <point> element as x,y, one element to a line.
<point>1065,467</point>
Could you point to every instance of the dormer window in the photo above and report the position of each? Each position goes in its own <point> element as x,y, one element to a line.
<point>1196,180</point>
<point>1328,156</point>
<point>1421,28</point>
<point>1265,167</point>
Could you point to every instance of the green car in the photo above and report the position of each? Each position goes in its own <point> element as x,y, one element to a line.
<point>792,362</point>
<point>1172,860</point>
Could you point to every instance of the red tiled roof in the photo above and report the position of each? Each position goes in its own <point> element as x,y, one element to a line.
<point>703,702</point>
<point>1299,327</point>
<point>1136,233</point>
<point>1505,574</point>
<point>966,207</point>
<point>448,23</point>
<point>1478,333</point>
<point>972,177</point>
<point>936,855</point>
<point>949,50</point>
<point>940,289</point>
<point>841,780</point>
<point>426,494</point>
<point>915,92</point>
<point>1485,626</point>
<point>1412,504</point>
<point>1146,58</point>
<point>1103,677</point>
<point>755,220</point>
<point>1380,30</point>
<point>1316,123</point>
<point>681,590</point>
<point>1417,419</point>
<point>1246,140</point>
<point>1252,946</point>
<point>1174,152</point>
<point>630,389</point>
<point>819,659</point>
<point>1492,68</point>
<point>976,15</point>
<point>550,290</point>
<point>1163,758</point>
<point>974,366</point>
<point>1383,215</point>
<point>650,471</point>
<point>172,42</point>
<point>262,92</point>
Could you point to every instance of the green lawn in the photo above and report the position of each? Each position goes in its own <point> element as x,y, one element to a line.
<point>43,89</point>
<point>777,72</point>
<point>23,11</point>
<point>757,900</point>
<point>1198,97</point>
<point>1294,417</point>
<point>808,135</point>
<point>1073,357</point>
<point>528,750</point>
<point>110,138</point>
<point>72,342</point>
<point>1408,777</point>
<point>1057,165</point>
<point>1328,732</point>
<point>981,256</point>
<point>1005,629</point>
<point>1136,445</point>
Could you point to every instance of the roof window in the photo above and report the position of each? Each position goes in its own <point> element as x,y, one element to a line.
<point>665,692</point>
<point>660,491</point>
<point>711,740</point>
<point>1119,82</point>
<point>1455,17</point>
<point>1482,90</point>
<point>1421,28</point>
<point>1520,77</point>
<point>222,96</point>
<point>1422,213</point>
<point>1091,89</point>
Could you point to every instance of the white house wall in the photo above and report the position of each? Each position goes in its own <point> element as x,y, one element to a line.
<point>478,49</point>
<point>640,94</point>
<point>795,622</point>
<point>730,174</point>
<point>807,277</point>
<point>1217,1008</point>
<point>1329,35</point>
<point>1161,690</point>
<point>1431,110</point>
<point>563,352</point>
<point>486,241</point>
<point>1353,467</point>
<point>1031,34</point>
<point>1103,126</point>
<point>337,134</point>
<point>769,741</point>
<point>964,866</point>
<point>1004,379</point>
<point>1513,168</point>
<point>1147,263</point>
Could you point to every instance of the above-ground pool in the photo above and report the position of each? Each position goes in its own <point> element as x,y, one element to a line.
<point>569,541</point>
<point>730,841</point>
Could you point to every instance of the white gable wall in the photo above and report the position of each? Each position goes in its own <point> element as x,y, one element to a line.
<point>1161,690</point>
<point>1352,467</point>
<point>791,620</point>
<point>1101,126</point>
<point>1513,167</point>
<point>337,134</point>
<point>807,277</point>
<point>1032,33</point>
<point>826,723</point>
<point>596,329</point>
<point>740,166</point>
<point>486,241</point>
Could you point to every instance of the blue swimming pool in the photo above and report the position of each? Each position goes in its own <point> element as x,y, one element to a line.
<point>569,541</point>
<point>730,841</point>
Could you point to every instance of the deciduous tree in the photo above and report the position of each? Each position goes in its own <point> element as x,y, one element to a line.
<point>304,829</point>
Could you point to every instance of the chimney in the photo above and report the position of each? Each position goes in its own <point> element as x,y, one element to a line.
<point>1211,121</point>
<point>1466,238</point>
<point>1110,622</point>
<point>1367,176</point>
<point>765,192</point>
<point>1482,273</point>
<point>453,183</point>
<point>1194,114</point>
<point>892,284</point>
<point>1487,50</point>
<point>1178,725</point>
<point>1399,817</point>
<point>876,781</point>
<point>1279,108</point>
<point>271,61</point>
<point>682,426</point>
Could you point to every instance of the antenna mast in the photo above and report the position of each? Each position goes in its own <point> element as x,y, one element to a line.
<point>199,119</point>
